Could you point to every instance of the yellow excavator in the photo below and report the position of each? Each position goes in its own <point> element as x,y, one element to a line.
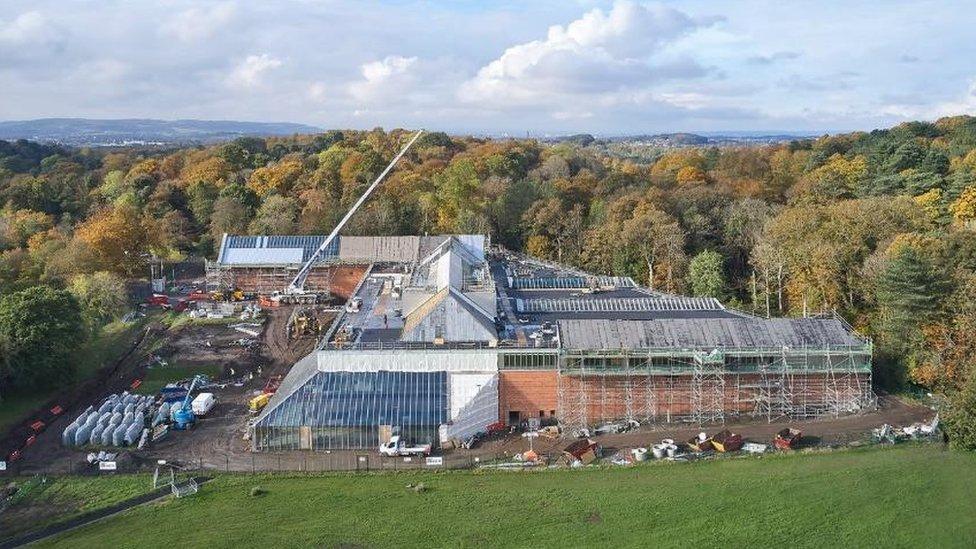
<point>231,295</point>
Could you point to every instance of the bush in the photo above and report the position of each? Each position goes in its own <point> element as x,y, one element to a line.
<point>960,418</point>
<point>257,491</point>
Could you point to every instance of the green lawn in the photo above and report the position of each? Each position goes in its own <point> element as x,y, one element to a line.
<point>158,376</point>
<point>903,496</point>
<point>101,350</point>
<point>60,499</point>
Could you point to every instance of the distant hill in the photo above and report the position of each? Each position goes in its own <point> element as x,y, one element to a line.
<point>83,131</point>
<point>670,140</point>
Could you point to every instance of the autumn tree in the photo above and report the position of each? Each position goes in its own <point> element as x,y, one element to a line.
<point>117,239</point>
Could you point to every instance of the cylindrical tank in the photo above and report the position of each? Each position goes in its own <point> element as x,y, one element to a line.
<point>658,451</point>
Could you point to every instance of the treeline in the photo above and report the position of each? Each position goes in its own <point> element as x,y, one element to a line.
<point>878,226</point>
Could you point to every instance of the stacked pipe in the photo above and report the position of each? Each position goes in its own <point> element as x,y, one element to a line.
<point>118,421</point>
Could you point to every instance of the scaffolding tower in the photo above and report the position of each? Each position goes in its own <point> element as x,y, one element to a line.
<point>708,388</point>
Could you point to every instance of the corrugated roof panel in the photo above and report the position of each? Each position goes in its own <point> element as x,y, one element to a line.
<point>704,333</point>
<point>262,256</point>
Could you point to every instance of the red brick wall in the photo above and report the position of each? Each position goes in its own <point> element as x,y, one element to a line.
<point>526,392</point>
<point>263,280</point>
<point>606,397</point>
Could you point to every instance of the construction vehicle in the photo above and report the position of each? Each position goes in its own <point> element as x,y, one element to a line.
<point>183,417</point>
<point>231,295</point>
<point>399,447</point>
<point>258,403</point>
<point>303,323</point>
<point>295,292</point>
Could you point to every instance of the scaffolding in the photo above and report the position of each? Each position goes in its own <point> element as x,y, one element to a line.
<point>266,279</point>
<point>708,388</point>
<point>711,387</point>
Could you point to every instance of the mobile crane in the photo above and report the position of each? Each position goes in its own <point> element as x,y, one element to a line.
<point>295,292</point>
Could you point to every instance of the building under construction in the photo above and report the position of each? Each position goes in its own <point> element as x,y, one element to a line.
<point>449,336</point>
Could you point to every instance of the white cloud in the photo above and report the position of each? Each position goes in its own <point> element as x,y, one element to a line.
<point>27,28</point>
<point>381,79</point>
<point>199,23</point>
<point>249,72</point>
<point>102,72</point>
<point>964,105</point>
<point>601,53</point>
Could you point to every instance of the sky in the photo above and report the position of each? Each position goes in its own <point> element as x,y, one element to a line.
<point>494,67</point>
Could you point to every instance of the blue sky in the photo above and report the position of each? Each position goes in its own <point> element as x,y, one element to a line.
<point>607,68</point>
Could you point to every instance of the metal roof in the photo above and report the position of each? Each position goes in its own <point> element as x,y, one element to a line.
<point>452,315</point>
<point>260,250</point>
<point>392,249</point>
<point>706,333</point>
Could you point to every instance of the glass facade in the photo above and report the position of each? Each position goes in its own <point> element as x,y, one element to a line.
<point>352,410</point>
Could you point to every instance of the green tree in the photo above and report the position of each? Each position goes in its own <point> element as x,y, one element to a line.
<point>101,295</point>
<point>277,215</point>
<point>909,293</point>
<point>706,277</point>
<point>40,331</point>
<point>202,195</point>
<point>960,418</point>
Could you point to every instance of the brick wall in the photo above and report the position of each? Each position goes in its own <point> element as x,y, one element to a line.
<point>526,392</point>
<point>265,280</point>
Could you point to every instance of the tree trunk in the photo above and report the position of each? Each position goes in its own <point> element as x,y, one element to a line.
<point>779,289</point>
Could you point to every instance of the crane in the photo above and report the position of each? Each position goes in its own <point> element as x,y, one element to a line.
<point>184,418</point>
<point>296,289</point>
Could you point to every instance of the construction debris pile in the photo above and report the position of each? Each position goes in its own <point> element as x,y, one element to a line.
<point>886,434</point>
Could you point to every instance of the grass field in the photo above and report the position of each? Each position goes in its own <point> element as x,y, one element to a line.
<point>60,499</point>
<point>100,350</point>
<point>157,377</point>
<point>902,496</point>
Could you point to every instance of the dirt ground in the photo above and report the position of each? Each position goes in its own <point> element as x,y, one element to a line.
<point>245,370</point>
<point>216,442</point>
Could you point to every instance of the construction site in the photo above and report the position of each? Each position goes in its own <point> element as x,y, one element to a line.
<point>441,344</point>
<point>445,344</point>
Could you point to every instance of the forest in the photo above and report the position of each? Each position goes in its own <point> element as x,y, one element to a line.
<point>879,227</point>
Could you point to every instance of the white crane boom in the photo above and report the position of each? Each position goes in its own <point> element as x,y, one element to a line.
<point>297,285</point>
